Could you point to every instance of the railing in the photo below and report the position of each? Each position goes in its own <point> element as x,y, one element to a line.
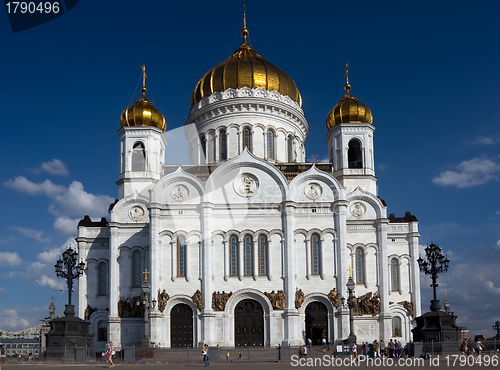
<point>436,348</point>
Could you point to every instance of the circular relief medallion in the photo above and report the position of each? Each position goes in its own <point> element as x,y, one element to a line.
<point>313,191</point>
<point>179,193</point>
<point>136,213</point>
<point>246,185</point>
<point>358,209</point>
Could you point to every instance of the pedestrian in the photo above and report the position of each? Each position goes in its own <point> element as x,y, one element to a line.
<point>376,349</point>
<point>382,348</point>
<point>205,355</point>
<point>239,355</point>
<point>324,344</point>
<point>479,346</point>
<point>305,351</point>
<point>354,351</point>
<point>309,342</point>
<point>463,346</point>
<point>301,352</point>
<point>227,356</point>
<point>110,353</point>
<point>391,348</point>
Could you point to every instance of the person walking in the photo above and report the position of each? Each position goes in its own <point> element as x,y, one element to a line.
<point>110,353</point>
<point>479,347</point>
<point>382,348</point>
<point>205,355</point>
<point>376,349</point>
<point>463,346</point>
<point>354,351</point>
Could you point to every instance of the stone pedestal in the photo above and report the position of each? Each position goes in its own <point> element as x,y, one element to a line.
<point>436,326</point>
<point>69,331</point>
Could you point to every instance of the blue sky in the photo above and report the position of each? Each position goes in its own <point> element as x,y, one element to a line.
<point>428,70</point>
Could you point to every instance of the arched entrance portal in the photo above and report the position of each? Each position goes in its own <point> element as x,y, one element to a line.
<point>316,322</point>
<point>248,323</point>
<point>181,326</point>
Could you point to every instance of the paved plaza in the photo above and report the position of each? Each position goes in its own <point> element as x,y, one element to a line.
<point>436,363</point>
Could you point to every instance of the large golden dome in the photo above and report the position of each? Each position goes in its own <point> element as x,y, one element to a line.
<point>245,68</point>
<point>143,113</point>
<point>348,109</point>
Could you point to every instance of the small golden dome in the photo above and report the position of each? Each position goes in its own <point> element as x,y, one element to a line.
<point>143,112</point>
<point>245,68</point>
<point>348,110</point>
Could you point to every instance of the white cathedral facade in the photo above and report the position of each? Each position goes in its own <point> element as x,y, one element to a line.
<point>248,244</point>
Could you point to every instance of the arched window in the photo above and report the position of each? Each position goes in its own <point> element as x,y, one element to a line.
<point>247,139</point>
<point>290,149</point>
<point>136,269</point>
<point>203,149</point>
<point>262,255</point>
<point>360,266</point>
<point>315,254</point>
<point>247,256</point>
<point>222,145</point>
<point>270,145</point>
<point>181,256</point>
<point>394,274</point>
<point>396,327</point>
<point>102,331</point>
<point>354,155</point>
<point>103,279</point>
<point>233,256</point>
<point>138,157</point>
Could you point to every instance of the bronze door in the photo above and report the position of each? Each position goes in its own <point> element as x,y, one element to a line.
<point>181,326</point>
<point>316,322</point>
<point>248,324</point>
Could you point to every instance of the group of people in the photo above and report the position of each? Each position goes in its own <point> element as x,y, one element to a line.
<point>478,347</point>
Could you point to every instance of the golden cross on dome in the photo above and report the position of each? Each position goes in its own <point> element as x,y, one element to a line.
<point>146,272</point>
<point>350,271</point>
<point>144,75</point>
<point>244,31</point>
<point>347,86</point>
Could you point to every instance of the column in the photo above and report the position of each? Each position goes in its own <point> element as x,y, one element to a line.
<point>255,255</point>
<point>414,268</point>
<point>173,256</point>
<point>83,251</point>
<point>114,327</point>
<point>207,314</point>
<point>308,258</point>
<point>292,334</point>
<point>343,260</point>
<point>225,245</point>
<point>155,254</point>
<point>385,322</point>
<point>240,258</point>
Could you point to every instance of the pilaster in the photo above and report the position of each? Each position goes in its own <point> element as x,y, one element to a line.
<point>385,319</point>
<point>114,327</point>
<point>207,315</point>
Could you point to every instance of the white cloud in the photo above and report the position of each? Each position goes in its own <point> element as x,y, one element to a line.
<point>52,283</point>
<point>10,320</point>
<point>22,184</point>
<point>66,225</point>
<point>483,140</point>
<point>492,288</point>
<point>3,290</point>
<point>33,234</point>
<point>476,171</point>
<point>498,244</point>
<point>76,201</point>
<point>55,167</point>
<point>10,259</point>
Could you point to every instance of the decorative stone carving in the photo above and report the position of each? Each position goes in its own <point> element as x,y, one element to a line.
<point>179,193</point>
<point>333,296</point>
<point>219,300</point>
<point>246,185</point>
<point>89,311</point>
<point>299,298</point>
<point>358,209</point>
<point>198,300</point>
<point>277,299</point>
<point>369,304</point>
<point>136,213</point>
<point>313,191</point>
<point>162,300</point>
<point>408,307</point>
<point>129,307</point>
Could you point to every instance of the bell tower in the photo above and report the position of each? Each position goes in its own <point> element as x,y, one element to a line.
<point>142,145</point>
<point>350,142</point>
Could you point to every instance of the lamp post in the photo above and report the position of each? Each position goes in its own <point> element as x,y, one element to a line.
<point>68,268</point>
<point>350,303</point>
<point>436,263</point>
<point>146,289</point>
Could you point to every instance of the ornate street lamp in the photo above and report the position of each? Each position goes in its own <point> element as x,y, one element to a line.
<point>68,268</point>
<point>350,303</point>
<point>146,289</point>
<point>436,263</point>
